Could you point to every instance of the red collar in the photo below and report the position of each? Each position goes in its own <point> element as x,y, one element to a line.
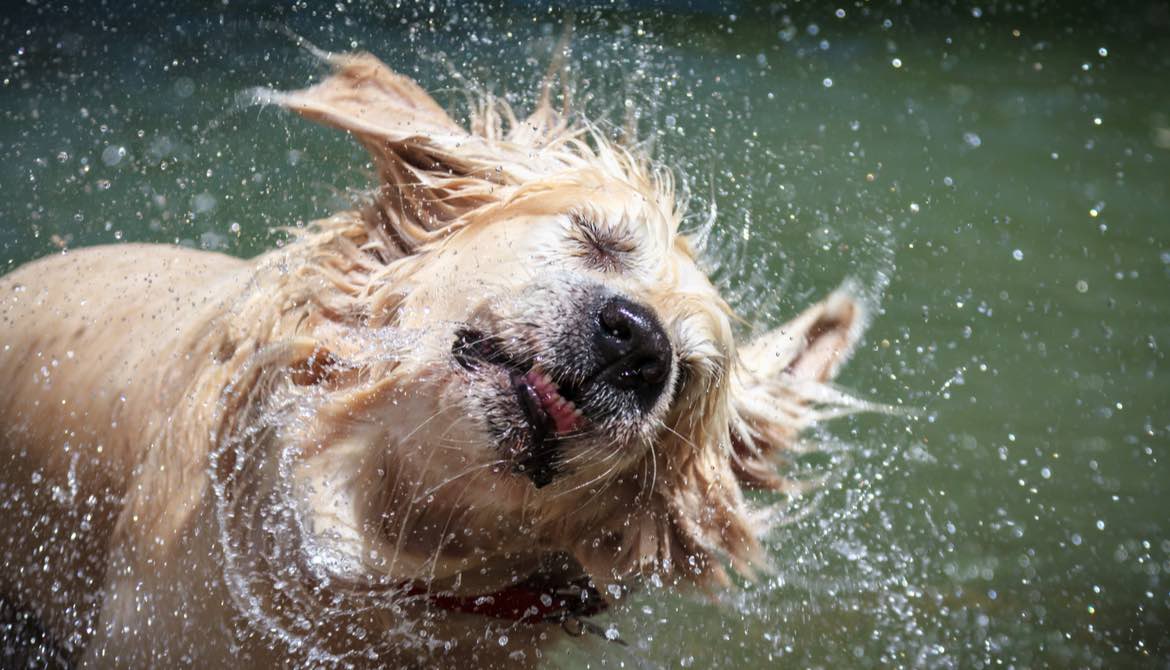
<point>529,602</point>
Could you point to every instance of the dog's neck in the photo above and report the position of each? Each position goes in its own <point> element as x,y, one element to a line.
<point>529,588</point>
<point>362,515</point>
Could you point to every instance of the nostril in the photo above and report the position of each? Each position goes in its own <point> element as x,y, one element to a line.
<point>654,371</point>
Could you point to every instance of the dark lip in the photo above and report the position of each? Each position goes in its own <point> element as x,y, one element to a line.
<point>472,350</point>
<point>538,420</point>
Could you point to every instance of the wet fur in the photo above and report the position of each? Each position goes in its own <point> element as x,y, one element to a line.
<point>209,458</point>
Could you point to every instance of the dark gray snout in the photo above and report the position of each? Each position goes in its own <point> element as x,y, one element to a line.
<point>633,350</point>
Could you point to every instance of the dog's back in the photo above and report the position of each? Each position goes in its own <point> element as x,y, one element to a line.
<point>83,336</point>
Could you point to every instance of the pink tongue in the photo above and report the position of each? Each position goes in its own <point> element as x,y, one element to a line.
<point>563,413</point>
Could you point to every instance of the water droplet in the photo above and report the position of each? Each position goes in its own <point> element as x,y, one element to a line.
<point>184,87</point>
<point>1018,255</point>
<point>203,203</point>
<point>113,154</point>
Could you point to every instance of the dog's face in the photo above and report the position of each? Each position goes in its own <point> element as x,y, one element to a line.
<point>573,319</point>
<point>570,385</point>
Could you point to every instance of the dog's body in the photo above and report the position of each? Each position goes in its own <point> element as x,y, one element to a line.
<point>447,425</point>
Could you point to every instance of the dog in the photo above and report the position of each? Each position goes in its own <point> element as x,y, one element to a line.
<point>448,426</point>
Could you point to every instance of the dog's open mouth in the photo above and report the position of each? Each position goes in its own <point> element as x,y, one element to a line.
<point>548,409</point>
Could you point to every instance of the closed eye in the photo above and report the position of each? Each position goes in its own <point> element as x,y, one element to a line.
<point>602,248</point>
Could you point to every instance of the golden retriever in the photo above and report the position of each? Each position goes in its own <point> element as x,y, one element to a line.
<point>448,426</point>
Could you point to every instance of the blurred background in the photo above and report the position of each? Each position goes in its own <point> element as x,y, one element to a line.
<point>995,175</point>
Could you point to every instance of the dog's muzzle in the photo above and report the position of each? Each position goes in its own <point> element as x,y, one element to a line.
<point>608,363</point>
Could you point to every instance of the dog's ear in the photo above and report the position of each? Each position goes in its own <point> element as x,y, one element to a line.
<point>365,97</point>
<point>781,385</point>
<point>432,170</point>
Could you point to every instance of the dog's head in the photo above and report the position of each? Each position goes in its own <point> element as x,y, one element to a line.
<point>571,386</point>
<point>579,324</point>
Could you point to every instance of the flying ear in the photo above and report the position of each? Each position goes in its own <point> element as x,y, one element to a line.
<point>781,385</point>
<point>432,170</point>
<point>368,99</point>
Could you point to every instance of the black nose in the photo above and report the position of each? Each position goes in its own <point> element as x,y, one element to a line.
<point>633,348</point>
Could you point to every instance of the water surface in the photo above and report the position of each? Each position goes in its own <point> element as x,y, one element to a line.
<point>996,178</point>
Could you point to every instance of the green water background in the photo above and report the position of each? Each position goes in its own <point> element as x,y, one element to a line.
<point>995,175</point>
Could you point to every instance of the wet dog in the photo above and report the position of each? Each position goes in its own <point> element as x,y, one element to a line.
<point>451,424</point>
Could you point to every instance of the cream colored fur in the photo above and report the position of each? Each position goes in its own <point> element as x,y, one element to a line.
<point>206,458</point>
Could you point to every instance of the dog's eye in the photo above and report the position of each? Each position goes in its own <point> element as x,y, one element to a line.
<point>602,248</point>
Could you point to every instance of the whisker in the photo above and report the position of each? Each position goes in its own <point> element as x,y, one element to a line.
<point>410,504</point>
<point>421,425</point>
<point>653,471</point>
<point>682,437</point>
<point>474,468</point>
<point>591,451</point>
<point>443,539</point>
<point>613,453</point>
<point>608,482</point>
